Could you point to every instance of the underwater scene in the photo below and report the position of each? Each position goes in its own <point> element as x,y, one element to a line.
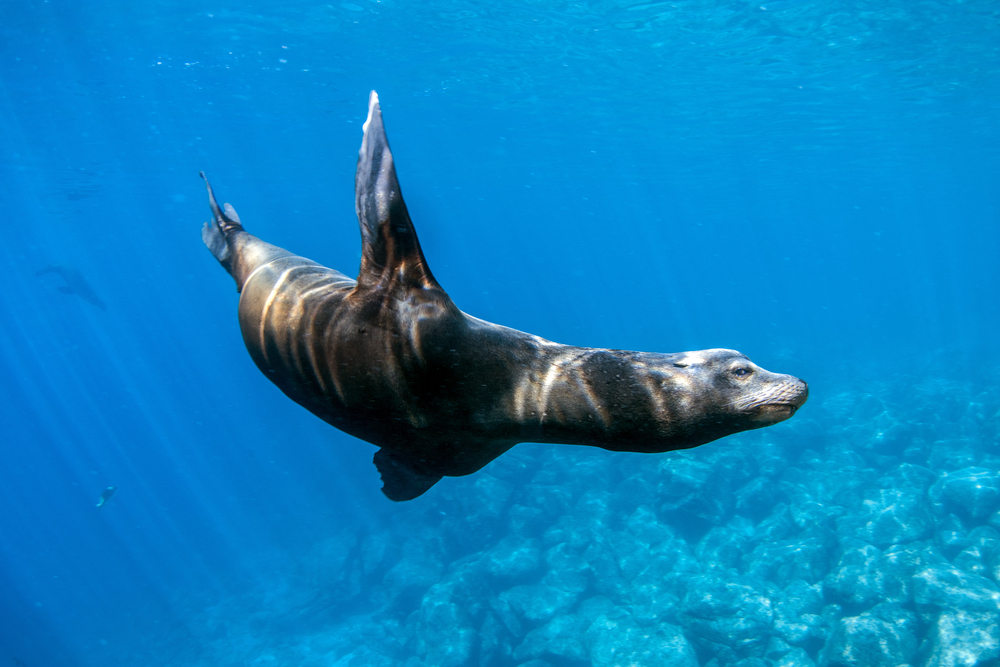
<point>815,184</point>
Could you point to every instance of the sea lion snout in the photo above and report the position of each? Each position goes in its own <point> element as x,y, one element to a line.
<point>775,399</point>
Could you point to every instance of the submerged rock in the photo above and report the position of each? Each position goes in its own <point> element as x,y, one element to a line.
<point>962,639</point>
<point>683,479</point>
<point>643,524</point>
<point>730,620</point>
<point>894,516</point>
<point>944,588</point>
<point>560,639</point>
<point>973,493</point>
<point>858,580</point>
<point>726,546</point>
<point>620,642</point>
<point>650,595</point>
<point>868,641</point>
<point>539,602</point>
<point>794,658</point>
<point>411,576</point>
<point>784,560</point>
<point>445,634</point>
<point>798,620</point>
<point>900,564</point>
<point>514,558</point>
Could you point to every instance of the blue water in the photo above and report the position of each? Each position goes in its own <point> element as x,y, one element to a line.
<point>812,183</point>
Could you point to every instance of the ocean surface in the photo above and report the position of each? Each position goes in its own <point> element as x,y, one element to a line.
<point>815,183</point>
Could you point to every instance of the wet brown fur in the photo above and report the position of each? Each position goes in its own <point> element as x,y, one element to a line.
<point>390,359</point>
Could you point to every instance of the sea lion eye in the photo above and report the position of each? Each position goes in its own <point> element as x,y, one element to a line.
<point>741,372</point>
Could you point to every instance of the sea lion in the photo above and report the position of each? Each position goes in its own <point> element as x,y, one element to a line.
<point>73,283</point>
<point>390,359</point>
<point>106,496</point>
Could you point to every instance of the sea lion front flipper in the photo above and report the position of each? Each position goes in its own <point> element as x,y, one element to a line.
<point>399,480</point>
<point>390,250</point>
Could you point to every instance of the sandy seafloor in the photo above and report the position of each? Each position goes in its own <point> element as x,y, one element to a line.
<point>812,183</point>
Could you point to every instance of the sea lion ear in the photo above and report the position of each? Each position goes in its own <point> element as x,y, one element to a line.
<point>390,250</point>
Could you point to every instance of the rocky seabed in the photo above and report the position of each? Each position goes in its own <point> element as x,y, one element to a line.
<point>862,532</point>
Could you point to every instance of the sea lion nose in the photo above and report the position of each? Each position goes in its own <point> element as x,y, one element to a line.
<point>803,391</point>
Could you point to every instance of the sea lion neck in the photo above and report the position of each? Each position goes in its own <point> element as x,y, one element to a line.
<point>591,396</point>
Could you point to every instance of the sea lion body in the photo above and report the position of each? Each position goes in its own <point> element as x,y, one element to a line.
<point>106,496</point>
<point>390,359</point>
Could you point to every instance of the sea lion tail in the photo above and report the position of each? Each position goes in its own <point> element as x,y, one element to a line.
<point>225,222</point>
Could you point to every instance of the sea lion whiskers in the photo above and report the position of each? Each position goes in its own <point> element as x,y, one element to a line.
<point>784,393</point>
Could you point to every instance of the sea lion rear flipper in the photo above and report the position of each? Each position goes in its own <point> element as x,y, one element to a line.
<point>399,480</point>
<point>389,242</point>
<point>224,222</point>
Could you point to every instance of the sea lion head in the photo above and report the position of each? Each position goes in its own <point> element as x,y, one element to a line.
<point>736,389</point>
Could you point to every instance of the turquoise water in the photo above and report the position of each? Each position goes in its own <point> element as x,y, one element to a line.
<point>812,183</point>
